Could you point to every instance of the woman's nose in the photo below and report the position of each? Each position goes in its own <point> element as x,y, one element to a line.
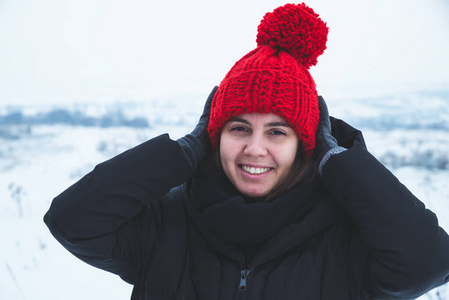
<point>255,146</point>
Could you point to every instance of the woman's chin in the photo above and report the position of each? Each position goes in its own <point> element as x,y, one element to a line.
<point>255,193</point>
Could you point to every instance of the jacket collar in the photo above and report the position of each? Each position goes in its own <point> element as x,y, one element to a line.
<point>217,210</point>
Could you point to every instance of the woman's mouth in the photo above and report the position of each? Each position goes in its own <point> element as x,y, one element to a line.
<point>254,171</point>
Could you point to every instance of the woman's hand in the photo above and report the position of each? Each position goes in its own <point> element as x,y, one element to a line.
<point>325,144</point>
<point>196,145</point>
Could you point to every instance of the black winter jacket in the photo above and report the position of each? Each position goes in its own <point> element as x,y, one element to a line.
<point>365,236</point>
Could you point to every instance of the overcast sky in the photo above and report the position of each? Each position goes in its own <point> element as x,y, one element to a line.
<point>110,50</point>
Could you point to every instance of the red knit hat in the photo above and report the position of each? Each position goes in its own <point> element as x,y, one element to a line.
<point>274,77</point>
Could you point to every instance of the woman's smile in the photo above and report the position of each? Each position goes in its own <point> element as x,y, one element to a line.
<point>257,152</point>
<point>254,170</point>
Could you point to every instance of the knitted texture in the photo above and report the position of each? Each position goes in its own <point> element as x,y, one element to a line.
<point>274,77</point>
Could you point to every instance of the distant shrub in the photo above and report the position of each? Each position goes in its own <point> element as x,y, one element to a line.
<point>73,118</point>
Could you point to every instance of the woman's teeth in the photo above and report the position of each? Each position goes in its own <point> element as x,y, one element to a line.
<point>255,171</point>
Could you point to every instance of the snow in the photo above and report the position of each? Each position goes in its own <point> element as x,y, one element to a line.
<point>407,132</point>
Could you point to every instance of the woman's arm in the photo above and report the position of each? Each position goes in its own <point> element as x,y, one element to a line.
<point>115,210</point>
<point>410,252</point>
<point>100,218</point>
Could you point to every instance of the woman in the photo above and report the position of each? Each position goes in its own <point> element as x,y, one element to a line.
<point>260,201</point>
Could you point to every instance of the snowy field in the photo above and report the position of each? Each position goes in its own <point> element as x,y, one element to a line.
<point>44,149</point>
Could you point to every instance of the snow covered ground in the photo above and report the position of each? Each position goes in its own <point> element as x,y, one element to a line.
<point>44,149</point>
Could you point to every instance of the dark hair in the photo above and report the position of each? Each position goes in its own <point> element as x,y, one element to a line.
<point>303,168</point>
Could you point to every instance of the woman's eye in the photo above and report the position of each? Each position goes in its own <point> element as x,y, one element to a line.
<point>238,128</point>
<point>277,132</point>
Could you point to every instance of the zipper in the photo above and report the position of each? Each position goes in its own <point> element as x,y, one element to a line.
<point>243,281</point>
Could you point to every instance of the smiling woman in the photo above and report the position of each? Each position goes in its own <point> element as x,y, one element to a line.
<point>296,207</point>
<point>257,152</point>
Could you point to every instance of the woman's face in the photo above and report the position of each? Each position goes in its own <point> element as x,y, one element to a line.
<point>257,152</point>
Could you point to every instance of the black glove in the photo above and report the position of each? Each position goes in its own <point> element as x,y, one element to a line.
<point>196,145</point>
<point>325,144</point>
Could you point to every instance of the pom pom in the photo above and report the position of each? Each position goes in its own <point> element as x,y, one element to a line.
<point>296,29</point>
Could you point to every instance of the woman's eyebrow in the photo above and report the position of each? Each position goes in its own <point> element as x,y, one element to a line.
<point>277,124</point>
<point>270,124</point>
<point>237,119</point>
